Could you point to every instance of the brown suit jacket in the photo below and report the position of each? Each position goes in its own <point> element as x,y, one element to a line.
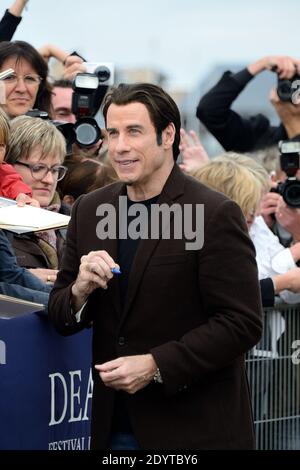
<point>197,312</point>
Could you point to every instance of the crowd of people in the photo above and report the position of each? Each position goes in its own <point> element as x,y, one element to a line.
<point>172,325</point>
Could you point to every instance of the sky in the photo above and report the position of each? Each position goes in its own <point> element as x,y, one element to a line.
<point>183,39</point>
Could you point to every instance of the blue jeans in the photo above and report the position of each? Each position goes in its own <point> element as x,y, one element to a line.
<point>123,441</point>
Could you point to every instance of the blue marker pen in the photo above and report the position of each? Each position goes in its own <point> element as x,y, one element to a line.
<point>115,271</point>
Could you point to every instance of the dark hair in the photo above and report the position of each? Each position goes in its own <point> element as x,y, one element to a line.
<point>63,83</point>
<point>161,107</point>
<point>24,50</point>
<point>84,175</point>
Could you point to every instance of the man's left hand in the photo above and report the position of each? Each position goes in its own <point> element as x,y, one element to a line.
<point>129,373</point>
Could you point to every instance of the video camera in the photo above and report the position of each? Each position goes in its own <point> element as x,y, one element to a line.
<point>288,90</point>
<point>289,162</point>
<point>89,91</point>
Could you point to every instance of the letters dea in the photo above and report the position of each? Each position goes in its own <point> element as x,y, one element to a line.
<point>69,399</point>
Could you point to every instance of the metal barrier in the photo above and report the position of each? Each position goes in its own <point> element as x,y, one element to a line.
<point>273,368</point>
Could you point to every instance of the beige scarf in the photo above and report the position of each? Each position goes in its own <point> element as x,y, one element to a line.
<point>47,239</point>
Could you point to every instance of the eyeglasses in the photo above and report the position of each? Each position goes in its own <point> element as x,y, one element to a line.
<point>40,170</point>
<point>30,80</point>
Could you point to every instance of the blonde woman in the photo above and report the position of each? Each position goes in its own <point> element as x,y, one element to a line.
<point>245,181</point>
<point>36,151</point>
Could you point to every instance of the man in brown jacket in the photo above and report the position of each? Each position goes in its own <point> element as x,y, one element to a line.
<point>171,330</point>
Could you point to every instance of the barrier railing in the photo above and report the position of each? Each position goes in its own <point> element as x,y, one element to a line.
<point>273,368</point>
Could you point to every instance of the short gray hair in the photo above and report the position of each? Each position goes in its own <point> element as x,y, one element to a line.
<point>27,133</point>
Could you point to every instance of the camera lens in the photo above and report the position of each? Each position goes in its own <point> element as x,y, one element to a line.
<point>284,90</point>
<point>103,73</point>
<point>291,194</point>
<point>87,132</point>
<point>287,87</point>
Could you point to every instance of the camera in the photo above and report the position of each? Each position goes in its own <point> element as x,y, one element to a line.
<point>89,91</point>
<point>289,162</point>
<point>66,128</point>
<point>86,100</point>
<point>103,70</point>
<point>288,90</point>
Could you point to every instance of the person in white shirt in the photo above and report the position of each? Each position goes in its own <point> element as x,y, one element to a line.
<point>245,181</point>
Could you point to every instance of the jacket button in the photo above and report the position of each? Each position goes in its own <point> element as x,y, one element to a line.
<point>121,341</point>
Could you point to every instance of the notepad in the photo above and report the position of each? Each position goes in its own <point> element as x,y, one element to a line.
<point>28,218</point>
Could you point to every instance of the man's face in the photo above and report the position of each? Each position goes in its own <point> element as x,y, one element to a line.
<point>62,104</point>
<point>133,149</point>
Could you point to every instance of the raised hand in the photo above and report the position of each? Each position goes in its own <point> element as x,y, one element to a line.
<point>284,66</point>
<point>192,151</point>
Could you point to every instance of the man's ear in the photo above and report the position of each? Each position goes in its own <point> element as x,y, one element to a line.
<point>168,136</point>
<point>2,152</point>
<point>68,199</point>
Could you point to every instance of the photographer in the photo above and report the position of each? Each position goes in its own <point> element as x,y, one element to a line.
<point>62,95</point>
<point>240,134</point>
<point>280,207</point>
<point>76,100</point>
<point>62,101</point>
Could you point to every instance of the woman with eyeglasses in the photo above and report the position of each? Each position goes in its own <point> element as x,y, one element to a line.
<point>27,87</point>
<point>37,150</point>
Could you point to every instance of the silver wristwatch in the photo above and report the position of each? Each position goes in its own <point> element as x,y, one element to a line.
<point>157,377</point>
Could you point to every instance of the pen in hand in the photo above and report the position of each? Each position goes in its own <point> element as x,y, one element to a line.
<point>115,271</point>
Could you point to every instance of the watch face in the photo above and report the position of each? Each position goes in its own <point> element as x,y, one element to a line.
<point>157,377</point>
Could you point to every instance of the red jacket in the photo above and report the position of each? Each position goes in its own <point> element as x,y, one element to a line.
<point>11,183</point>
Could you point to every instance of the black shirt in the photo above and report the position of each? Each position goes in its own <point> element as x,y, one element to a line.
<point>127,249</point>
<point>8,26</point>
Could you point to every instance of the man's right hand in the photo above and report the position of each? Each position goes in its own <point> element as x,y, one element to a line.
<point>284,66</point>
<point>72,66</point>
<point>94,272</point>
